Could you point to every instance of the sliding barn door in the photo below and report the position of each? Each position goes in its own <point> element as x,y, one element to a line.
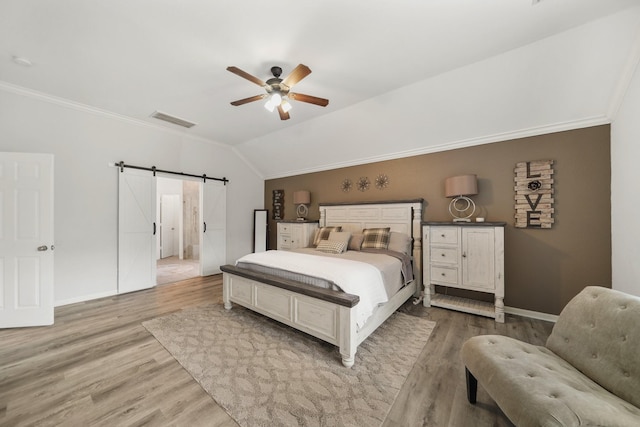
<point>214,227</point>
<point>136,230</point>
<point>26,239</point>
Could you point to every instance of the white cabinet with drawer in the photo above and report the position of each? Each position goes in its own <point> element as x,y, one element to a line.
<point>295,234</point>
<point>464,256</point>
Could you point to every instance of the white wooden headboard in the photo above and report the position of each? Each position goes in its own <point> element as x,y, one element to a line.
<point>401,216</point>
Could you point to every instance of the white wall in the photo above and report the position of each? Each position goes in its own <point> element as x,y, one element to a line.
<point>625,190</point>
<point>84,142</point>
<point>559,83</point>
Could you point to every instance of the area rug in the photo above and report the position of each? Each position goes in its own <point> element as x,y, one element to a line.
<point>264,373</point>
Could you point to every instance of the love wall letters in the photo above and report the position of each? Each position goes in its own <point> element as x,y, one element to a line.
<point>534,194</point>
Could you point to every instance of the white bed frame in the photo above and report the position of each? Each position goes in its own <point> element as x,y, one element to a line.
<point>326,314</point>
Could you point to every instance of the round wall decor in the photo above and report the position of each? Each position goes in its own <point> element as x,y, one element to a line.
<point>363,183</point>
<point>382,181</point>
<point>346,185</point>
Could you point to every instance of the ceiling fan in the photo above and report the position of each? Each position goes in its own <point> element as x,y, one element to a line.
<point>278,90</point>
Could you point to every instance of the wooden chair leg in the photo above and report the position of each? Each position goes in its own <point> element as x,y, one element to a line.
<point>472,386</point>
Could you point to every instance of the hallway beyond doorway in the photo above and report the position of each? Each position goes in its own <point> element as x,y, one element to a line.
<point>172,269</point>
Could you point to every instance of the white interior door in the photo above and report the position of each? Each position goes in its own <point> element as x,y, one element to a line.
<point>169,227</point>
<point>136,230</point>
<point>214,227</point>
<point>26,239</point>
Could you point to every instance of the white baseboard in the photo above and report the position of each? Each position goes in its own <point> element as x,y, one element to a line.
<point>85,298</point>
<point>531,314</point>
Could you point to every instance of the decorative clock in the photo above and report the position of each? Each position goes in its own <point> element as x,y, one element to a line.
<point>363,183</point>
<point>534,185</point>
<point>534,194</point>
<point>382,181</point>
<point>346,185</point>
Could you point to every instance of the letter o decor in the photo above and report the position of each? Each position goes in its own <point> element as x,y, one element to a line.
<point>534,194</point>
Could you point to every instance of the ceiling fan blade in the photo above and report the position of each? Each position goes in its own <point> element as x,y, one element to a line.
<point>283,114</point>
<point>247,100</point>
<point>237,71</point>
<point>308,98</point>
<point>298,73</point>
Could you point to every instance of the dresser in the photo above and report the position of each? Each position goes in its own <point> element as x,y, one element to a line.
<point>295,234</point>
<point>466,256</point>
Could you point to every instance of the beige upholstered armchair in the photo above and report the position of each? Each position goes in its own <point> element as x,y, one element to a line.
<point>588,374</point>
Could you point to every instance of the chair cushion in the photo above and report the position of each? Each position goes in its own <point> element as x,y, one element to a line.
<point>598,332</point>
<point>535,387</point>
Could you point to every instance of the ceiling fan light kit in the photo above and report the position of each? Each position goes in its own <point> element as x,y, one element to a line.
<point>274,100</point>
<point>278,90</point>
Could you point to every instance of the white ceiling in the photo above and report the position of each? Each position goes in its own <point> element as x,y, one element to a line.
<point>135,57</point>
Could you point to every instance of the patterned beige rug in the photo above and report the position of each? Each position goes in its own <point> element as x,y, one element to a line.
<point>264,373</point>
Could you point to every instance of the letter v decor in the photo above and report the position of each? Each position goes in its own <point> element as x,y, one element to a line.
<point>534,194</point>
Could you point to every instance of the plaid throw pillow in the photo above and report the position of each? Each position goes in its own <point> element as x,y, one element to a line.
<point>375,238</point>
<point>323,234</point>
<point>331,246</point>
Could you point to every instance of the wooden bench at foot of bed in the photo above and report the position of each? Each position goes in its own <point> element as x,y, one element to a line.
<point>324,313</point>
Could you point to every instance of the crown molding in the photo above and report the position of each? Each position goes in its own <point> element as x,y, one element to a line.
<point>489,139</point>
<point>29,93</point>
<point>62,102</point>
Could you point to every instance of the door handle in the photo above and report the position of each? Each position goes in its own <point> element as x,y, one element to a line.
<point>42,248</point>
<point>205,227</point>
<point>154,228</point>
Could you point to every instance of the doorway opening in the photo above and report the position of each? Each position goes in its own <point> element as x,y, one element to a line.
<point>178,239</point>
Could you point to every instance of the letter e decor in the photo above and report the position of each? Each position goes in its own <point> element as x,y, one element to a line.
<point>534,194</point>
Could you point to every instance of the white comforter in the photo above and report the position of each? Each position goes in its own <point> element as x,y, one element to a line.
<point>353,277</point>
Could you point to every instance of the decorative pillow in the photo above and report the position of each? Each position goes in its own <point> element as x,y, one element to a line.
<point>355,242</point>
<point>375,238</point>
<point>340,236</point>
<point>331,246</point>
<point>399,242</point>
<point>323,234</point>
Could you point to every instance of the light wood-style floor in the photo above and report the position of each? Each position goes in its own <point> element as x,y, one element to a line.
<point>98,366</point>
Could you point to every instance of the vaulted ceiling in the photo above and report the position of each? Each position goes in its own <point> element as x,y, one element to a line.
<point>376,61</point>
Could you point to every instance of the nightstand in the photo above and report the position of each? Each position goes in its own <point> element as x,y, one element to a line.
<point>295,234</point>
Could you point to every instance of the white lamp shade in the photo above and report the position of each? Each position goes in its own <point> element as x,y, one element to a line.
<point>286,107</point>
<point>301,197</point>
<point>462,185</point>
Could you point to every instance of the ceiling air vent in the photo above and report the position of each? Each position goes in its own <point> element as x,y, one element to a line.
<point>172,119</point>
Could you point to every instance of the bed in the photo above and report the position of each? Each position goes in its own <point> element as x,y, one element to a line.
<point>325,312</point>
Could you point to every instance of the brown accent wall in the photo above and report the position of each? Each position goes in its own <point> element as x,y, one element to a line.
<point>543,268</point>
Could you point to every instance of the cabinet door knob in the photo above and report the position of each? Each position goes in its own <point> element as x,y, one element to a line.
<point>443,274</point>
<point>442,235</point>
<point>464,254</point>
<point>442,254</point>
